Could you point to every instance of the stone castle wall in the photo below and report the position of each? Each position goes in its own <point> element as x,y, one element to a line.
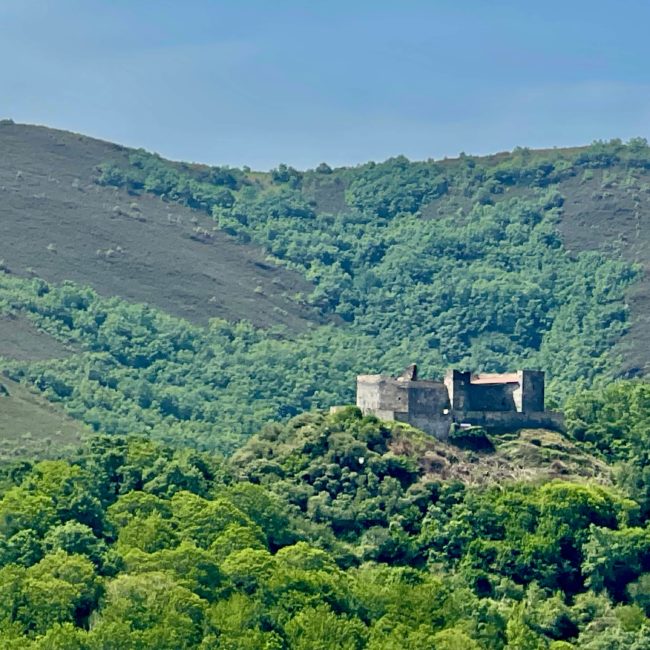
<point>499,422</point>
<point>496,402</point>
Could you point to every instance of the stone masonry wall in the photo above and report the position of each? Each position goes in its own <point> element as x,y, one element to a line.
<point>496,402</point>
<point>504,421</point>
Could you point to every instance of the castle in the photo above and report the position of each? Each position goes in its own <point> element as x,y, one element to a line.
<point>497,402</point>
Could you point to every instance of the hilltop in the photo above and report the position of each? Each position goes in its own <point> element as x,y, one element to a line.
<point>295,456</point>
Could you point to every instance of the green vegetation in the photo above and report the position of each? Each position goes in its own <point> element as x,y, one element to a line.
<point>334,531</point>
<point>141,371</point>
<point>317,534</point>
<point>453,263</point>
<point>484,284</point>
<point>615,421</point>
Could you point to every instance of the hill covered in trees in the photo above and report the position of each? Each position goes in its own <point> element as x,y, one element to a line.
<point>524,259</point>
<point>472,259</point>
<point>530,258</point>
<point>296,543</point>
<point>169,477</point>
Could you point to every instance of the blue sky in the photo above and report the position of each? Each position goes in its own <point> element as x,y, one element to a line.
<point>256,83</point>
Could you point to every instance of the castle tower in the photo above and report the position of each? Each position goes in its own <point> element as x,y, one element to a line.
<point>457,384</point>
<point>530,396</point>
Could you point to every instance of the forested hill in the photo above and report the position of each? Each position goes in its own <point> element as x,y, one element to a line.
<point>295,544</point>
<point>268,292</point>
<point>471,257</point>
<point>171,333</point>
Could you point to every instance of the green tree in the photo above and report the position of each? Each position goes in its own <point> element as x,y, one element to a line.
<point>319,627</point>
<point>149,611</point>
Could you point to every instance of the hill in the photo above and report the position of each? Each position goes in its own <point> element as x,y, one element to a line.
<point>58,224</point>
<point>603,204</point>
<point>398,242</point>
<point>320,530</point>
<point>314,444</point>
<point>520,259</point>
<point>328,531</point>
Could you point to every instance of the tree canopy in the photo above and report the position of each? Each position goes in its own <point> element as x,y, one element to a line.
<point>293,543</point>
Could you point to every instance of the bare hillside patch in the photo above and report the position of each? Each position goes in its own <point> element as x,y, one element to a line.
<point>31,427</point>
<point>529,454</point>
<point>20,340</point>
<point>56,223</point>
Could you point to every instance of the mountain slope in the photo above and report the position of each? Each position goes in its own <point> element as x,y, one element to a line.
<point>478,263</point>
<point>23,341</point>
<point>612,214</point>
<point>467,259</point>
<point>56,223</point>
<point>604,207</point>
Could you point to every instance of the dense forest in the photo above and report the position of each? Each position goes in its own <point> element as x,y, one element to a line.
<point>215,504</point>
<point>317,534</point>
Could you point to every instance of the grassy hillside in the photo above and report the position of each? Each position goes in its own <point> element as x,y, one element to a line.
<point>32,428</point>
<point>58,224</point>
<point>20,339</point>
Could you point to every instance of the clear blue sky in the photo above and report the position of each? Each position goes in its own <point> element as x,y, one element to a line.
<point>261,82</point>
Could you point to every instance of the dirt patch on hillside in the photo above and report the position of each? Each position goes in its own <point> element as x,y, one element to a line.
<point>20,340</point>
<point>526,455</point>
<point>33,428</point>
<point>56,223</point>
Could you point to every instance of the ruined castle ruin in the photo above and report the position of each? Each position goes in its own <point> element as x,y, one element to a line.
<point>497,402</point>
